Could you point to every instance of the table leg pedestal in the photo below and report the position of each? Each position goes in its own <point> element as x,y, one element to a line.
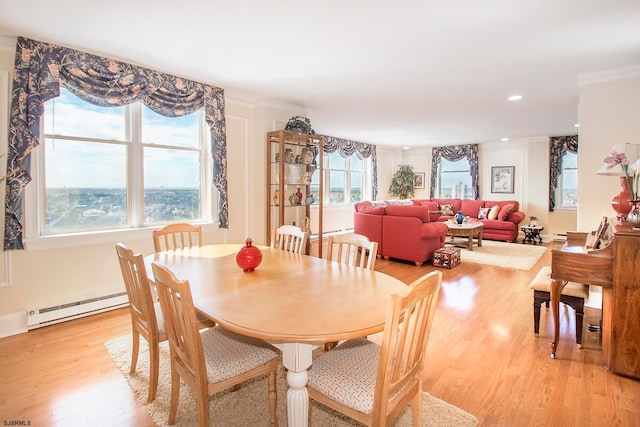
<point>296,357</point>
<point>297,398</point>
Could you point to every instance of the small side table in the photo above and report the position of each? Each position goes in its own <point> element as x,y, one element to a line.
<point>532,233</point>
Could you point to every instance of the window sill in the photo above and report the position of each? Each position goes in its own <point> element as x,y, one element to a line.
<point>96,237</point>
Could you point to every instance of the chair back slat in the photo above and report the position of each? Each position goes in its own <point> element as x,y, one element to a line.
<point>177,236</point>
<point>290,238</point>
<point>352,249</point>
<point>181,323</point>
<point>138,288</point>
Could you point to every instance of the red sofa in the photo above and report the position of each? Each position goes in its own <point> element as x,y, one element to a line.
<point>505,227</point>
<point>402,232</point>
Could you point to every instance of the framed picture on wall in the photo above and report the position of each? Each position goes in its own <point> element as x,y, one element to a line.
<point>418,180</point>
<point>502,178</point>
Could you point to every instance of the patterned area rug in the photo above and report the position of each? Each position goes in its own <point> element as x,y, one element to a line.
<point>515,256</point>
<point>248,406</point>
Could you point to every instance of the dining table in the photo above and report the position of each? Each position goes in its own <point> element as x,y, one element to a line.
<point>295,302</point>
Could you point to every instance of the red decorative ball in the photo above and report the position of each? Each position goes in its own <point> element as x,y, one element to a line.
<point>248,257</point>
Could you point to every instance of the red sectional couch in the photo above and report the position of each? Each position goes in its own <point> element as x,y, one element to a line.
<point>413,232</point>
<point>505,227</point>
<point>402,232</point>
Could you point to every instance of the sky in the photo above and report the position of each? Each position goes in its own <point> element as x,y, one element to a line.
<point>75,164</point>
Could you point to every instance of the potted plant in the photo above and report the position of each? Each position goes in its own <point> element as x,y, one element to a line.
<point>402,182</point>
<point>300,124</point>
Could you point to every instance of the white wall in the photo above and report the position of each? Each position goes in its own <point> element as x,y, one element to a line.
<point>609,115</point>
<point>53,276</point>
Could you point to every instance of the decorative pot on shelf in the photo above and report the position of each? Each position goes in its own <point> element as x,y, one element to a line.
<point>309,199</point>
<point>633,217</point>
<point>306,156</point>
<point>248,257</point>
<point>298,196</point>
<point>289,157</point>
<point>459,217</point>
<point>306,178</point>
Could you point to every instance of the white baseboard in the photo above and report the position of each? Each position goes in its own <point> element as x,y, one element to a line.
<point>13,324</point>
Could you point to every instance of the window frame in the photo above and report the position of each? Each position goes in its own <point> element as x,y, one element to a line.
<point>560,186</point>
<point>440,172</point>
<point>34,197</point>
<point>366,181</point>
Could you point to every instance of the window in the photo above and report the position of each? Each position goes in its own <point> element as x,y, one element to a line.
<point>454,179</point>
<point>345,179</point>
<point>119,167</point>
<point>567,196</point>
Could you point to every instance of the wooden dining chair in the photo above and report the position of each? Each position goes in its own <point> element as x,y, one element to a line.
<point>373,383</point>
<point>146,316</point>
<point>352,249</point>
<point>213,360</point>
<point>177,236</point>
<point>290,238</point>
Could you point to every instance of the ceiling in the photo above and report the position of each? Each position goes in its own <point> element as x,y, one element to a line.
<point>399,73</point>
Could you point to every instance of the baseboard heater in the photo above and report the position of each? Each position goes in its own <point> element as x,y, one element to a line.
<point>39,317</point>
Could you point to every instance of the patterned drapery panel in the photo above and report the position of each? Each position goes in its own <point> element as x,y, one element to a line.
<point>346,148</point>
<point>558,146</point>
<point>454,153</point>
<point>40,68</point>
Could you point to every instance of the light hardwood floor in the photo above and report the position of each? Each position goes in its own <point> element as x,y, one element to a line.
<point>482,357</point>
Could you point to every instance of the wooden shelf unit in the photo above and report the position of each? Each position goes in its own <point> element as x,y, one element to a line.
<point>288,164</point>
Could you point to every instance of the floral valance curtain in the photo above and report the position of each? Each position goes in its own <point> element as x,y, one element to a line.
<point>346,148</point>
<point>454,153</point>
<point>40,68</point>
<point>558,146</point>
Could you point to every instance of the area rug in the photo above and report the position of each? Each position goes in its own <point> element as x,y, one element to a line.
<point>248,406</point>
<point>515,256</point>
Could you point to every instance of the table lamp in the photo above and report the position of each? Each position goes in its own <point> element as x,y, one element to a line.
<point>621,201</point>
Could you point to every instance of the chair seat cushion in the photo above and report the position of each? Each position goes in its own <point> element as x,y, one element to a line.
<point>542,282</point>
<point>228,354</point>
<point>347,374</point>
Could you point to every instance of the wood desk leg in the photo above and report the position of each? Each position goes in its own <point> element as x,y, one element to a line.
<point>296,357</point>
<point>556,290</point>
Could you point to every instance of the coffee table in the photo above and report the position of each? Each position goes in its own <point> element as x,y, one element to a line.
<point>470,230</point>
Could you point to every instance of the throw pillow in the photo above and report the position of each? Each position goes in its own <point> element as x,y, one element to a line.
<point>446,209</point>
<point>505,211</point>
<point>434,212</point>
<point>493,213</point>
<point>483,212</point>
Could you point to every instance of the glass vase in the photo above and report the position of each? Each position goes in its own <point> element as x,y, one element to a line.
<point>633,218</point>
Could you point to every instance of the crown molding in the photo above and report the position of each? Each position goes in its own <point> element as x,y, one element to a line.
<point>609,75</point>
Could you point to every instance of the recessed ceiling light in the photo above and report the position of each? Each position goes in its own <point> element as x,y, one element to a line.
<point>577,125</point>
<point>504,139</point>
<point>515,97</point>
<point>405,148</point>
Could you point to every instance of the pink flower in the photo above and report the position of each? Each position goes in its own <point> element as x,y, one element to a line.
<point>621,159</point>
<point>617,159</point>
